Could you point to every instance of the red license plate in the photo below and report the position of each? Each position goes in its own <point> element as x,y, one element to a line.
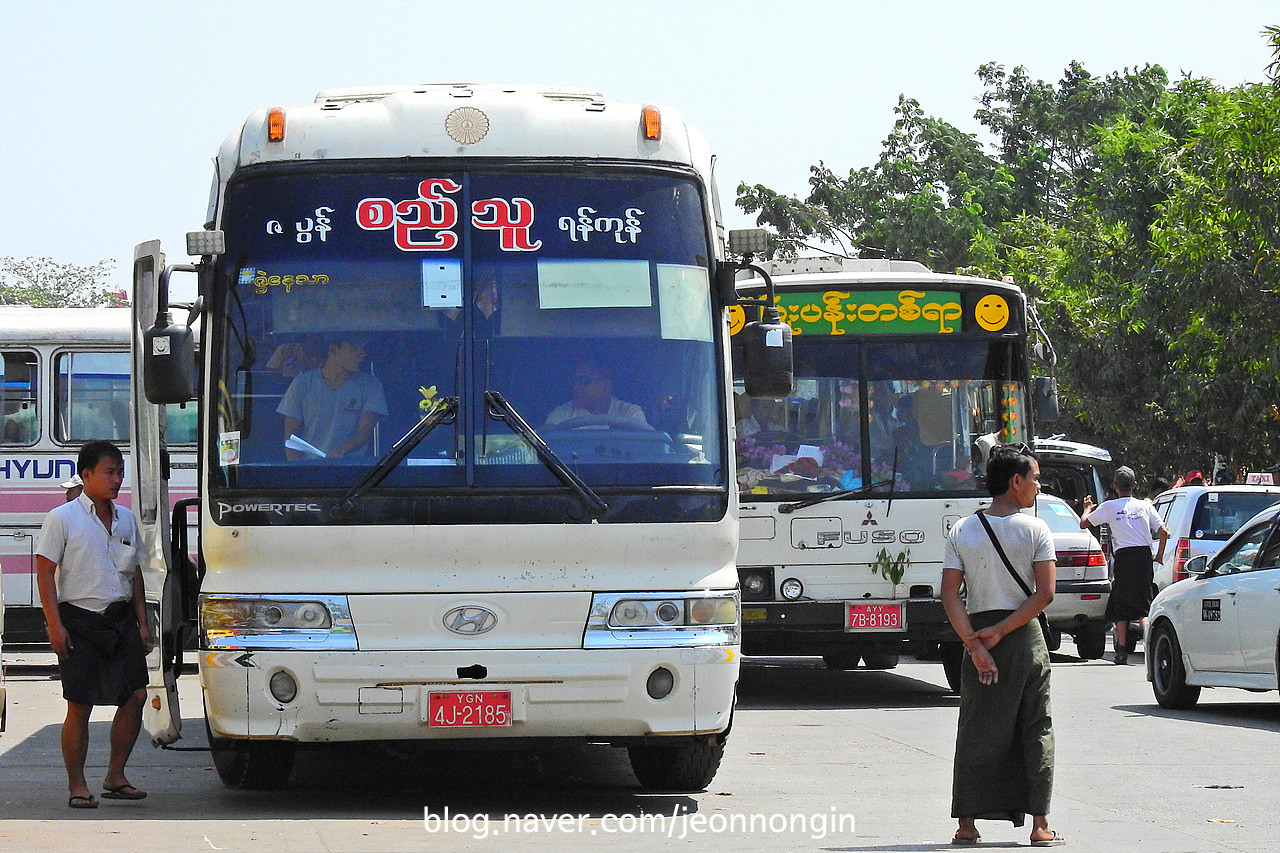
<point>490,708</point>
<point>867,617</point>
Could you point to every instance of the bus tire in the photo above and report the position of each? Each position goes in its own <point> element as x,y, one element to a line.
<point>879,659</point>
<point>688,767</point>
<point>842,659</point>
<point>259,765</point>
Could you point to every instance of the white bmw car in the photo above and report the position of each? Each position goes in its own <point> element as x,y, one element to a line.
<point>1221,626</point>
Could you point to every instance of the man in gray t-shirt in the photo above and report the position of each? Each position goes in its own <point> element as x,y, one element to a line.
<point>334,408</point>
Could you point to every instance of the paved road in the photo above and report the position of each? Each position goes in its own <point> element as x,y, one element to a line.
<point>819,760</point>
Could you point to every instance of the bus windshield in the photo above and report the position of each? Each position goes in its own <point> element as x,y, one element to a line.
<point>355,301</point>
<point>865,415</point>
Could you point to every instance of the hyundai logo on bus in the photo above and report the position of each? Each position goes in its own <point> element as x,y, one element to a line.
<point>470,619</point>
<point>29,468</point>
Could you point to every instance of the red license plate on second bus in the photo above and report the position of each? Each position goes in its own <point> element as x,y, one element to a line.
<point>860,617</point>
<point>487,708</point>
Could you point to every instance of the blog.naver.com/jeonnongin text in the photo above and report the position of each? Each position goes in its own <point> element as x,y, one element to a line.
<point>677,824</point>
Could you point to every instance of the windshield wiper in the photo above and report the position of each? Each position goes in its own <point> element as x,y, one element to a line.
<point>502,410</point>
<point>835,496</point>
<point>444,410</point>
<point>831,496</point>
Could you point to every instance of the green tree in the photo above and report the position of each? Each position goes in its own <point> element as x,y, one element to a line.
<point>931,194</point>
<point>46,283</point>
<point>1046,133</point>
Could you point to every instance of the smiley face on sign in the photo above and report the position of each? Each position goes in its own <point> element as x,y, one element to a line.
<point>992,312</point>
<point>737,319</point>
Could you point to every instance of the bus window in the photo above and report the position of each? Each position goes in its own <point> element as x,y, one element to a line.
<point>21,421</point>
<point>92,396</point>
<point>934,400</point>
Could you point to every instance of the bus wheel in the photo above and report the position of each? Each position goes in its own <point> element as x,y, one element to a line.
<point>260,765</point>
<point>842,659</point>
<point>878,659</point>
<point>688,767</point>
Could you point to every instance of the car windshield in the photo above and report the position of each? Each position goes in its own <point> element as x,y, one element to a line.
<point>1220,514</point>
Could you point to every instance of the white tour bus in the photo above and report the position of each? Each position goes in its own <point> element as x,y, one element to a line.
<point>66,381</point>
<point>904,381</point>
<point>535,542</point>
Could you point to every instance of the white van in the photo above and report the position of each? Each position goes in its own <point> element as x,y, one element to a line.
<point>1201,519</point>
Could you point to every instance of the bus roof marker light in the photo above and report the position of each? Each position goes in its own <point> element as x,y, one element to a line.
<point>275,125</point>
<point>652,121</point>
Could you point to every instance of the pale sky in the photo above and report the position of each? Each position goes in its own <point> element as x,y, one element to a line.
<point>110,112</point>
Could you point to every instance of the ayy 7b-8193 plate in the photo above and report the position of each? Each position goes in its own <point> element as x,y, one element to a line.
<point>874,617</point>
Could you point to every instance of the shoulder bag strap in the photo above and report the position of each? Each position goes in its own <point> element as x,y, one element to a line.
<point>999,550</point>
<point>1040,617</point>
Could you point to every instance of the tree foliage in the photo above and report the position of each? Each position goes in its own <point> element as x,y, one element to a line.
<point>46,283</point>
<point>1143,217</point>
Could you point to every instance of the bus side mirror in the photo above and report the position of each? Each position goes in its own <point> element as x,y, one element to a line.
<point>1045,393</point>
<point>169,361</point>
<point>767,367</point>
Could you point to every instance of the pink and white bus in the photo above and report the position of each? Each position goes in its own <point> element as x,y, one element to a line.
<point>66,381</point>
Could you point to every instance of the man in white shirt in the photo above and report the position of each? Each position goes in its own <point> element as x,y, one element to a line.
<point>593,399</point>
<point>1134,526</point>
<point>87,570</point>
<point>1004,760</point>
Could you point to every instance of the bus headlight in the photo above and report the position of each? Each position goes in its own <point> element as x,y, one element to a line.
<point>276,621</point>
<point>656,619</point>
<point>791,589</point>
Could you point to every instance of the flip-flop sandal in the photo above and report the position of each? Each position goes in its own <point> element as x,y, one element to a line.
<point>123,792</point>
<point>961,841</point>
<point>1056,841</point>
<point>81,802</point>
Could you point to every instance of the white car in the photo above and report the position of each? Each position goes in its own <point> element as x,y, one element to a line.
<point>1221,626</point>
<point>1201,519</point>
<point>1082,585</point>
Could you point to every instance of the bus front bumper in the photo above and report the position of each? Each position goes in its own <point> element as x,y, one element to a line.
<point>815,627</point>
<point>601,695</point>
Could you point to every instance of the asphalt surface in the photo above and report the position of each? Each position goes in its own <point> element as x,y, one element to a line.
<point>818,760</point>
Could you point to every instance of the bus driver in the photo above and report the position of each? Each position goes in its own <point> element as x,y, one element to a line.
<point>593,398</point>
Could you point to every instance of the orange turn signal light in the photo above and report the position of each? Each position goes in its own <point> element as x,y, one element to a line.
<point>275,125</point>
<point>652,120</point>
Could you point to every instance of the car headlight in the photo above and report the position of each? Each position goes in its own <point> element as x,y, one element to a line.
<point>655,619</point>
<point>275,621</point>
